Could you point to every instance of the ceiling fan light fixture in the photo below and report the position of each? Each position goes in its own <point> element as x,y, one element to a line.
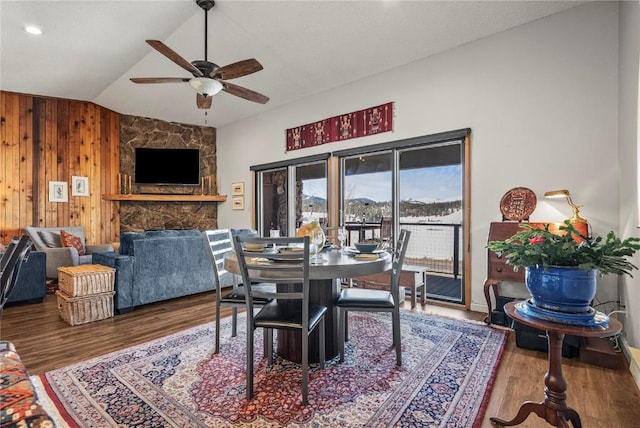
<point>205,85</point>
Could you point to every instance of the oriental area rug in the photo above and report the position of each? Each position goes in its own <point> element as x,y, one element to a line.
<point>445,380</point>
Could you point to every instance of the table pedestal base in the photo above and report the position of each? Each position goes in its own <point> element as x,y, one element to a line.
<point>321,292</point>
<point>554,407</point>
<point>558,418</point>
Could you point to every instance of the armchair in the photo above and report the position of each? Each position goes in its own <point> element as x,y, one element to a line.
<point>47,240</point>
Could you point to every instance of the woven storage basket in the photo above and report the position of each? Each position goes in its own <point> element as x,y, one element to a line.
<point>84,280</point>
<point>80,310</point>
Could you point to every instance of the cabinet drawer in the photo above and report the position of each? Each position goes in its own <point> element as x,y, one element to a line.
<point>500,270</point>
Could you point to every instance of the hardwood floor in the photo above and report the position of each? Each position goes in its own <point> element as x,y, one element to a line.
<point>603,397</point>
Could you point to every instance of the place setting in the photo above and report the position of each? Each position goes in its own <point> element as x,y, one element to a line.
<point>364,250</point>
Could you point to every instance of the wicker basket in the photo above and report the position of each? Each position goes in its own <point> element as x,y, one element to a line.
<point>80,310</point>
<point>83,280</point>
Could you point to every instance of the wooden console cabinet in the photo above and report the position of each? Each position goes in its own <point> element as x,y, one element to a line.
<point>497,268</point>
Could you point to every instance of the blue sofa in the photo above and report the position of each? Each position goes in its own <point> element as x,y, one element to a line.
<point>158,265</point>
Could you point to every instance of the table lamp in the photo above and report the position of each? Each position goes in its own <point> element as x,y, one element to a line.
<point>565,194</point>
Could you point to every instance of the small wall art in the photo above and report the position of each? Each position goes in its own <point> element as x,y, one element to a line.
<point>79,186</point>
<point>237,189</point>
<point>237,203</point>
<point>58,191</point>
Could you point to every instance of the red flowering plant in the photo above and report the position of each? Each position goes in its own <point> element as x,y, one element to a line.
<point>533,246</point>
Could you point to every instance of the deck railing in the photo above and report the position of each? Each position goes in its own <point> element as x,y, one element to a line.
<point>434,245</point>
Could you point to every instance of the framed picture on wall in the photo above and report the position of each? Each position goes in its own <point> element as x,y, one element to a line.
<point>237,189</point>
<point>58,191</point>
<point>237,203</point>
<point>79,186</point>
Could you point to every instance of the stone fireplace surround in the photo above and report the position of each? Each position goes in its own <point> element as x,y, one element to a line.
<point>137,216</point>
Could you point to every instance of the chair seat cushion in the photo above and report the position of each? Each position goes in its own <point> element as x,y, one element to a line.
<point>365,298</point>
<point>237,296</point>
<point>287,315</point>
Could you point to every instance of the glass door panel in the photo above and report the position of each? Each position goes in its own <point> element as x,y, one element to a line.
<point>311,193</point>
<point>430,188</point>
<point>367,194</point>
<point>273,201</point>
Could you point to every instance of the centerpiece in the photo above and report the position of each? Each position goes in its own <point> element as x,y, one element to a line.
<point>562,268</point>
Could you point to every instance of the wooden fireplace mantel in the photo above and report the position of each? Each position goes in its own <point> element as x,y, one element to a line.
<point>164,198</point>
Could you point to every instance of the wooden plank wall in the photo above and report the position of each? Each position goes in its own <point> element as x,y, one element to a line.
<point>46,139</point>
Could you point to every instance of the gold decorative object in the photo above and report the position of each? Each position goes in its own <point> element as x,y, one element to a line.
<point>563,193</point>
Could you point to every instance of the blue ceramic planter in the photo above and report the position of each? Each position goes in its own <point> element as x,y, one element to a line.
<point>560,288</point>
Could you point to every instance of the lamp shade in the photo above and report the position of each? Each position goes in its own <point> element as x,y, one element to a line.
<point>557,193</point>
<point>205,85</point>
<point>563,193</point>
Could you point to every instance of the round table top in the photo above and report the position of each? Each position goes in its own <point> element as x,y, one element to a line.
<point>614,327</point>
<point>336,265</point>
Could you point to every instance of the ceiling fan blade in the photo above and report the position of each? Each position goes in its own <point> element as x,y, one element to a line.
<point>203,102</point>
<point>237,69</point>
<point>173,56</point>
<point>159,79</point>
<point>245,93</point>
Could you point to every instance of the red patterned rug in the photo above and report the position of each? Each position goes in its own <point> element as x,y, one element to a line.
<point>446,378</point>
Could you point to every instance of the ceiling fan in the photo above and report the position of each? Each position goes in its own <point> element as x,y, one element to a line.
<point>208,78</point>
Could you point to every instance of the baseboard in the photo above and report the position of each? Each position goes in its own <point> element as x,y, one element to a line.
<point>633,358</point>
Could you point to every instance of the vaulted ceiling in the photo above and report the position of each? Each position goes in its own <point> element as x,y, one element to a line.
<point>90,49</point>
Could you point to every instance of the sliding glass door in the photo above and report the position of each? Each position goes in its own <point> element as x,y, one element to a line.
<point>419,185</point>
<point>291,194</point>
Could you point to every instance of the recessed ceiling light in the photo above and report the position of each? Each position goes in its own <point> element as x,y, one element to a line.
<point>32,29</point>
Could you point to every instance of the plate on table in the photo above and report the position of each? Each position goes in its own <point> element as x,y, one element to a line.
<point>367,256</point>
<point>262,250</point>
<point>290,250</point>
<point>352,250</point>
<point>254,248</point>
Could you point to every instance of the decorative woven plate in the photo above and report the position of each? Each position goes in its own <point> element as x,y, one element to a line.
<point>518,203</point>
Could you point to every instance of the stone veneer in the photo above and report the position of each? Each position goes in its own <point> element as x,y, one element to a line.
<point>137,216</point>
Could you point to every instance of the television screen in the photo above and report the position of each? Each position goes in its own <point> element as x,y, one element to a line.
<point>167,166</point>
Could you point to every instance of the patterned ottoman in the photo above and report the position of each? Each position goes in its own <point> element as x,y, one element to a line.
<point>18,401</point>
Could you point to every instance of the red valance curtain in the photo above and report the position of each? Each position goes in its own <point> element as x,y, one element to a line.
<point>370,121</point>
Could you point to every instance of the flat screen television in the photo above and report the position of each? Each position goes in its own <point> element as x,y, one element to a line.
<point>167,166</point>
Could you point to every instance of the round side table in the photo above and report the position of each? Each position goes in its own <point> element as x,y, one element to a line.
<point>554,408</point>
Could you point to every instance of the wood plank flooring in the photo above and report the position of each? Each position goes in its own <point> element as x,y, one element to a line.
<point>603,397</point>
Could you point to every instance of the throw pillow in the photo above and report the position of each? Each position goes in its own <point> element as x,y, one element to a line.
<point>69,240</point>
<point>50,239</point>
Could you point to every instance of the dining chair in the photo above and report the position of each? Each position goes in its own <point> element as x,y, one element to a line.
<point>219,244</point>
<point>386,229</point>
<point>368,300</point>
<point>284,261</point>
<point>11,263</point>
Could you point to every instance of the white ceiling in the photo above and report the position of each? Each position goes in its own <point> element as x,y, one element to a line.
<point>91,48</point>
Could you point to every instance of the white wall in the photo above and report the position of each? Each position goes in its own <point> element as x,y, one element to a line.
<point>628,157</point>
<point>541,101</point>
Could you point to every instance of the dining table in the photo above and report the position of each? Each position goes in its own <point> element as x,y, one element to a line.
<point>325,281</point>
